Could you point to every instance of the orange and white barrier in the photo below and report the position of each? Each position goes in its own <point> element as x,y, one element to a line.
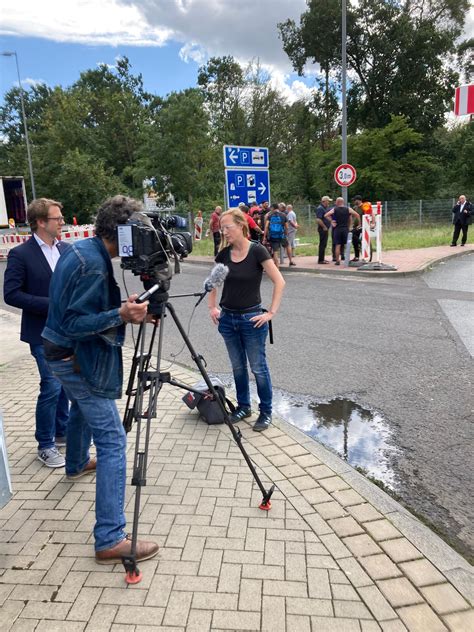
<point>8,241</point>
<point>198,221</point>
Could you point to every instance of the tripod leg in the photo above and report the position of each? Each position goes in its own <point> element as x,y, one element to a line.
<point>237,435</point>
<point>151,382</point>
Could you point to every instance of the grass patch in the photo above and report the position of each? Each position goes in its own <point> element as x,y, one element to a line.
<point>394,238</point>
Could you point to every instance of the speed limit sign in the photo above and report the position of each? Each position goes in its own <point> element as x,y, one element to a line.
<point>345,175</point>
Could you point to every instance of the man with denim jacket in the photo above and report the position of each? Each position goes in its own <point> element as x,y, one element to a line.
<point>83,340</point>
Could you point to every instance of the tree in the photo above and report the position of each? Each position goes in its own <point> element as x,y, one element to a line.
<point>400,56</point>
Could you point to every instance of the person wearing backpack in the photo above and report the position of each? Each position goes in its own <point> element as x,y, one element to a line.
<point>275,233</point>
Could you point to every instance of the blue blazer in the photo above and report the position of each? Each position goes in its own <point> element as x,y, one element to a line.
<point>26,286</point>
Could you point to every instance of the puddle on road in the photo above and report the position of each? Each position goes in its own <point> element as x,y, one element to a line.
<point>359,435</point>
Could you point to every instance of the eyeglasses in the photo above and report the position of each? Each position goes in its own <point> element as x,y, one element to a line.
<point>228,227</point>
<point>56,219</point>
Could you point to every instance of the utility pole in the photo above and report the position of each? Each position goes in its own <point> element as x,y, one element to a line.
<point>28,151</point>
<point>344,102</point>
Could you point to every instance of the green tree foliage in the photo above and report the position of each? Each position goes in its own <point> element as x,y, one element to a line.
<point>400,56</point>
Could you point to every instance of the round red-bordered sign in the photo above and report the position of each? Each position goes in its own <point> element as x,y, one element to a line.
<point>345,175</point>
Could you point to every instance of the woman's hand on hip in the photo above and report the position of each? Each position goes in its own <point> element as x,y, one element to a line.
<point>261,319</point>
<point>214,313</point>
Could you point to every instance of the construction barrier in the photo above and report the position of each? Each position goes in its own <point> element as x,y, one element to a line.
<point>198,221</point>
<point>8,241</point>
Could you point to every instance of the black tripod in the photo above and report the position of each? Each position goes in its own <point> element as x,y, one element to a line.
<point>149,382</point>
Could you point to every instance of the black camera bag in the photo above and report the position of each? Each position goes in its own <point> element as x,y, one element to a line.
<point>208,407</point>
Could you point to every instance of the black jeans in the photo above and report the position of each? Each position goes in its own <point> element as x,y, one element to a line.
<point>323,240</point>
<point>356,233</point>
<point>217,241</point>
<point>458,227</point>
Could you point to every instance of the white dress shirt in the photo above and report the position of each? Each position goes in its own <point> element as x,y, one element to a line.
<point>51,253</point>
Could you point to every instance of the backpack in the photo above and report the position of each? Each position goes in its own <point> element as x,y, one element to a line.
<point>276,230</point>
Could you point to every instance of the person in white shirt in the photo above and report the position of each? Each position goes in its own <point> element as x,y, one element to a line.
<point>26,286</point>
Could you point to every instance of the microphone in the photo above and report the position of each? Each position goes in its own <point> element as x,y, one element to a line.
<point>217,277</point>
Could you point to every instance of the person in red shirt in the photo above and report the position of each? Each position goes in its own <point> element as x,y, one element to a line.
<point>215,229</point>
<point>255,232</point>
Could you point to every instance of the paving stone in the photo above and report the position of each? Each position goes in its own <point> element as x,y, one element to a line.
<point>349,609</point>
<point>399,592</point>
<point>177,610</point>
<point>304,482</point>
<point>335,546</point>
<point>24,625</point>
<point>370,626</point>
<point>422,573</point>
<point>344,592</point>
<point>345,526</point>
<point>274,553</point>
<point>301,606</point>
<point>355,573</point>
<point>45,610</point>
<point>328,510</point>
<point>319,472</point>
<point>199,621</point>
<point>444,598</point>
<point>298,623</point>
<point>460,621</point>
<point>337,577</point>
<point>377,603</point>
<point>380,566</point>
<point>139,615</point>
<point>400,550</point>
<point>102,618</point>
<point>120,597</point>
<point>273,614</point>
<point>421,619</point>
<point>84,604</point>
<point>60,626</point>
<point>25,592</point>
<point>364,512</point>
<point>223,620</point>
<point>285,588</point>
<point>393,626</point>
<point>295,567</point>
<point>9,612</point>
<point>361,545</point>
<point>331,624</point>
<point>229,578</point>
<point>250,595</point>
<point>382,530</point>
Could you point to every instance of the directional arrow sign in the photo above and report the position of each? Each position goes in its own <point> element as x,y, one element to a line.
<point>236,157</point>
<point>247,185</point>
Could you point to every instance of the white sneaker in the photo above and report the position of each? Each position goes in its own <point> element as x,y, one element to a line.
<point>51,457</point>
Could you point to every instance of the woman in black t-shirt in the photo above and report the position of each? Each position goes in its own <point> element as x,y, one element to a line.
<point>241,321</point>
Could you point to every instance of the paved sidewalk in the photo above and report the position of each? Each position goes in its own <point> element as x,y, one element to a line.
<point>407,262</point>
<point>333,554</point>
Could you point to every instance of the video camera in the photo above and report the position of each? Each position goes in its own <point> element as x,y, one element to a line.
<point>146,245</point>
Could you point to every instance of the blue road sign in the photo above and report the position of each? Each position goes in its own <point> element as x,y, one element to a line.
<point>236,157</point>
<point>247,185</point>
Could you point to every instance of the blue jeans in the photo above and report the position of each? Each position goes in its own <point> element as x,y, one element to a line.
<point>95,416</point>
<point>52,406</point>
<point>245,342</point>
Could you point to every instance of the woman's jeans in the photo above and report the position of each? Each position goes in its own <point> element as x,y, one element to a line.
<point>52,407</point>
<point>99,417</point>
<point>245,342</point>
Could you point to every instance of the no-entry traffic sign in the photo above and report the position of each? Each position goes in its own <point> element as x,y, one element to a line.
<point>345,175</point>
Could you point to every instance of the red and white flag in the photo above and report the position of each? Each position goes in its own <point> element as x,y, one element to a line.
<point>464,100</point>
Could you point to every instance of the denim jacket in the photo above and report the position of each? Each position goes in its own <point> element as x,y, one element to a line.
<point>84,302</point>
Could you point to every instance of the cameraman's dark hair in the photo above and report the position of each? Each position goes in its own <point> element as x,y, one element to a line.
<point>114,211</point>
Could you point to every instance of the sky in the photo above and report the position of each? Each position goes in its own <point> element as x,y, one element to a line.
<point>165,40</point>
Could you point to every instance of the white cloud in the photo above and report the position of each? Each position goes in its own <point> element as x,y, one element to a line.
<point>32,82</point>
<point>193,52</point>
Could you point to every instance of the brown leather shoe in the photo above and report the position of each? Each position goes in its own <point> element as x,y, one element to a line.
<point>89,469</point>
<point>145,550</point>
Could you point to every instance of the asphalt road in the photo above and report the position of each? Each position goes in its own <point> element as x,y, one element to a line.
<point>388,344</point>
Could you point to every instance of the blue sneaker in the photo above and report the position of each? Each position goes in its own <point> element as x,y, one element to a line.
<point>240,413</point>
<point>262,423</point>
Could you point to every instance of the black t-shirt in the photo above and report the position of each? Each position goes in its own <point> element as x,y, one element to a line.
<point>341,215</point>
<point>242,285</point>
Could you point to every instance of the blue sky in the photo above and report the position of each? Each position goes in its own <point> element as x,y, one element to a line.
<point>165,40</point>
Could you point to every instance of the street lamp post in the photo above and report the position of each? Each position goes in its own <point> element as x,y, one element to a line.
<point>344,99</point>
<point>28,151</point>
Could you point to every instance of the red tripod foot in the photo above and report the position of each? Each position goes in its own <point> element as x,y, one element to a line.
<point>265,506</point>
<point>133,577</point>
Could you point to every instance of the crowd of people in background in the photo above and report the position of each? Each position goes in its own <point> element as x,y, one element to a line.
<point>275,227</point>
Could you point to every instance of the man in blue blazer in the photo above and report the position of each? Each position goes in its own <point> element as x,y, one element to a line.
<point>26,286</point>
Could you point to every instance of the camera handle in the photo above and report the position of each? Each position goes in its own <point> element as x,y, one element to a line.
<point>151,381</point>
